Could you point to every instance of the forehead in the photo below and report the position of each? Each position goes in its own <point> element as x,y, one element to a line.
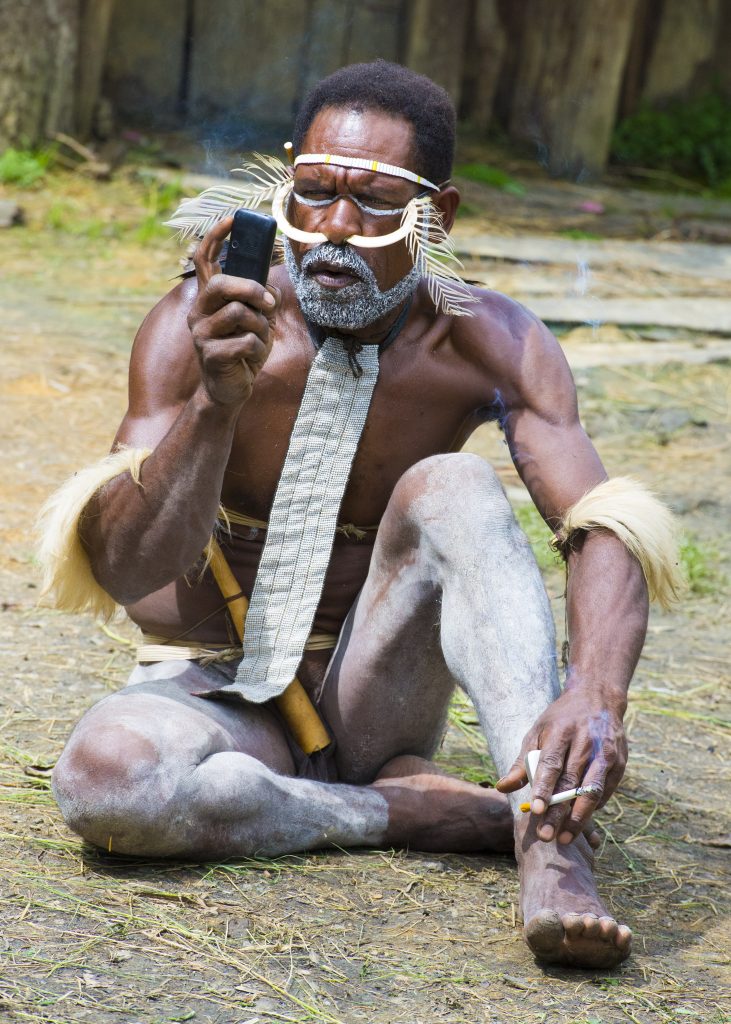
<point>372,134</point>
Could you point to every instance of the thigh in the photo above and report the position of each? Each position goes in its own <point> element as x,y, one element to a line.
<point>165,704</point>
<point>387,688</point>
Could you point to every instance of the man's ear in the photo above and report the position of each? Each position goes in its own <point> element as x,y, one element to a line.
<point>447,200</point>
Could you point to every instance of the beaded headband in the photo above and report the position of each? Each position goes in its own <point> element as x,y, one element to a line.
<point>363,164</point>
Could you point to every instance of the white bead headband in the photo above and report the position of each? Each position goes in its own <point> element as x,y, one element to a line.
<point>363,164</point>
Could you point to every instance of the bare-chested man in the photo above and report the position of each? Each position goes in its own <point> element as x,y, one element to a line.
<point>445,593</point>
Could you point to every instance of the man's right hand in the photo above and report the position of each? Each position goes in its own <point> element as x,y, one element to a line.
<point>230,323</point>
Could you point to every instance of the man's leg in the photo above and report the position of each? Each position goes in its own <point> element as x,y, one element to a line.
<point>454,593</point>
<point>154,771</point>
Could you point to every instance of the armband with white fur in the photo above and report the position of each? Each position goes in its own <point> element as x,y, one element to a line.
<point>643,524</point>
<point>66,568</point>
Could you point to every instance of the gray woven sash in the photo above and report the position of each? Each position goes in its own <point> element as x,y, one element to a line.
<point>303,519</point>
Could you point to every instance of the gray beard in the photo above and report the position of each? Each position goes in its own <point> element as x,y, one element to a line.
<point>350,308</point>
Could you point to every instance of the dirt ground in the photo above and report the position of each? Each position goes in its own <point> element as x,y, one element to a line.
<point>343,936</point>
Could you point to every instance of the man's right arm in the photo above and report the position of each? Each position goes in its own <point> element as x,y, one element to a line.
<point>193,365</point>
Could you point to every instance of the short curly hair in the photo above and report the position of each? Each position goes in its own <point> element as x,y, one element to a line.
<point>396,90</point>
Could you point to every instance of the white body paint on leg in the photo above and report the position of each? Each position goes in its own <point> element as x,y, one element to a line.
<point>144,774</point>
<point>453,594</point>
<point>497,630</point>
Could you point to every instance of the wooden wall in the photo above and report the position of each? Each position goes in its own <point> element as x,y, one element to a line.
<point>553,73</point>
<point>190,61</point>
<point>145,60</point>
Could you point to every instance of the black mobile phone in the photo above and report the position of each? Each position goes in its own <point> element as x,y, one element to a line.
<point>250,246</point>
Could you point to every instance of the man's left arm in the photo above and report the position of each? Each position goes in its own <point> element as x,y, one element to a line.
<point>581,735</point>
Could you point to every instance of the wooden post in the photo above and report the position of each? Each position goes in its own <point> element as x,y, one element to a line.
<point>436,42</point>
<point>485,47</point>
<point>568,80</point>
<point>683,50</point>
<point>96,16</point>
<point>38,59</point>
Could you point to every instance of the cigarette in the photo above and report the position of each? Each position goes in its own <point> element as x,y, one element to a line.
<point>566,795</point>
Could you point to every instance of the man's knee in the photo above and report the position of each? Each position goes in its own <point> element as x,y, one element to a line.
<point>460,492</point>
<point>110,789</point>
<point>141,778</point>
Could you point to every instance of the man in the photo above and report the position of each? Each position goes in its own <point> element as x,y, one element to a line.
<point>445,591</point>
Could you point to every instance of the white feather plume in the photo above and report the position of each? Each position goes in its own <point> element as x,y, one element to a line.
<point>432,249</point>
<point>195,217</point>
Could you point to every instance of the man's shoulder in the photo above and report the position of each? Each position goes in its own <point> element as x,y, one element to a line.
<point>521,356</point>
<point>169,315</point>
<point>499,328</point>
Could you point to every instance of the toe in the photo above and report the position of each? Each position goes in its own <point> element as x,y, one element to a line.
<point>624,937</point>
<point>608,928</point>
<point>592,928</point>
<point>544,934</point>
<point>573,924</point>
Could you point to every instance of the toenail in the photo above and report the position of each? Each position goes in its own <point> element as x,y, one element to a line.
<point>566,838</point>
<point>546,832</point>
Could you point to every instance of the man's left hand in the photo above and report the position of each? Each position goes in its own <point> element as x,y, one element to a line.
<point>582,743</point>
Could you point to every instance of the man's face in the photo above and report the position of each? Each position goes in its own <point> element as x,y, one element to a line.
<point>340,285</point>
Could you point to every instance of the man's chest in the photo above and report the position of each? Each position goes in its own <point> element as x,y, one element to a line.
<point>424,402</point>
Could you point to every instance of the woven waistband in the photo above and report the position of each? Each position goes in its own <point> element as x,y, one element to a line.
<point>229,517</point>
<point>158,648</point>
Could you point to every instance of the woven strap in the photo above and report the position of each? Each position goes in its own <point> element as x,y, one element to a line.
<point>158,648</point>
<point>231,518</point>
<point>302,523</point>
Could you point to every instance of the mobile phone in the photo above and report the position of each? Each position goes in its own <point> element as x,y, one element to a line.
<point>250,246</point>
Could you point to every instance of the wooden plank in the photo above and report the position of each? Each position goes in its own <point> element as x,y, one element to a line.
<point>93,38</point>
<point>584,354</point>
<point>372,31</point>
<point>690,258</point>
<point>708,315</point>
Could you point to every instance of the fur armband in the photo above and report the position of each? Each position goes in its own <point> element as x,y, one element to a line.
<point>64,561</point>
<point>643,524</point>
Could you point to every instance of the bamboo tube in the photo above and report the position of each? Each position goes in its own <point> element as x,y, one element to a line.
<point>294,704</point>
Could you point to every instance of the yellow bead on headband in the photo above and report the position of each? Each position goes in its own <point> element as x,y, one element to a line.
<point>363,164</point>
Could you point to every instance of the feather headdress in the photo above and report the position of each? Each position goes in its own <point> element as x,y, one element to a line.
<point>432,250</point>
<point>266,174</point>
<point>271,180</point>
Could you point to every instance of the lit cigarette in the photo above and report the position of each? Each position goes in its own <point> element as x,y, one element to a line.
<point>566,795</point>
<point>531,763</point>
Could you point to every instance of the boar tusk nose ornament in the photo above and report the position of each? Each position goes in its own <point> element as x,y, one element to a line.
<point>408,223</point>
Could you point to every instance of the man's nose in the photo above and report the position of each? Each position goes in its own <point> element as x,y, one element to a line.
<point>342,220</point>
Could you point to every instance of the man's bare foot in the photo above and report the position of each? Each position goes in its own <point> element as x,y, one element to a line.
<point>565,922</point>
<point>430,810</point>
